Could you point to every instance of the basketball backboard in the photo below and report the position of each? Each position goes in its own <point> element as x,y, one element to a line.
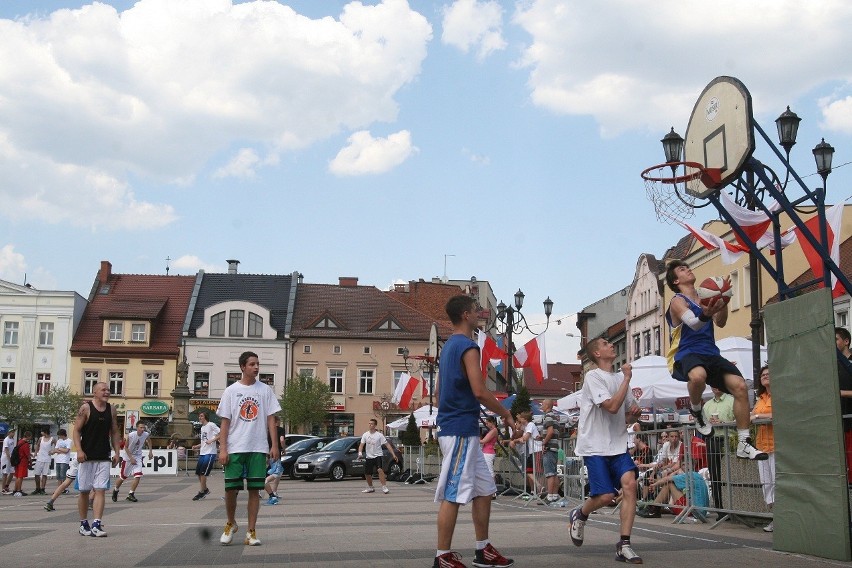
<point>720,132</point>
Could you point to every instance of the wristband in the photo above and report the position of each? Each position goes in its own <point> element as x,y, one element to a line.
<point>704,318</point>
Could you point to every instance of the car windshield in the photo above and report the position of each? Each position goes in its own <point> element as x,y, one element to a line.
<point>300,445</point>
<point>337,445</point>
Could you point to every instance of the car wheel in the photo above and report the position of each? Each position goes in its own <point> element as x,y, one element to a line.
<point>309,477</point>
<point>394,469</point>
<point>337,472</point>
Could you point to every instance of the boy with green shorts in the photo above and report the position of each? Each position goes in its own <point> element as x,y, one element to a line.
<point>247,410</point>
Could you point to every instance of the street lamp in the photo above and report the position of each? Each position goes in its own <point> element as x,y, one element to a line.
<point>514,322</point>
<point>823,154</point>
<point>427,363</point>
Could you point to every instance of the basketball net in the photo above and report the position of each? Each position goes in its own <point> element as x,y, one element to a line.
<point>672,204</point>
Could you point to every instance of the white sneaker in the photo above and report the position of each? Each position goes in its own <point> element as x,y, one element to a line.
<point>369,490</point>
<point>746,451</point>
<point>251,538</point>
<point>228,533</point>
<point>385,489</point>
<point>770,527</point>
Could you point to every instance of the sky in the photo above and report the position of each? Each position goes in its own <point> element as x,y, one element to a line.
<point>387,140</point>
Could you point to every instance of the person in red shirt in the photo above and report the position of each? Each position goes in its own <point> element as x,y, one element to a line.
<point>23,466</point>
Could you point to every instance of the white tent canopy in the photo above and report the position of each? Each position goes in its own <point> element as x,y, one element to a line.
<point>422,418</point>
<point>737,350</point>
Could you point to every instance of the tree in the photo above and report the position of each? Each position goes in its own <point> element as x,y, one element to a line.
<point>411,435</point>
<point>18,409</point>
<point>522,402</point>
<point>305,402</point>
<point>60,405</point>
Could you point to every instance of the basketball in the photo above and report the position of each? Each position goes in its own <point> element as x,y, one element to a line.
<point>714,287</point>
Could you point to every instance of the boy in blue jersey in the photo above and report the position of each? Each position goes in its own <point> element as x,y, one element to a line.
<point>464,473</point>
<point>694,357</point>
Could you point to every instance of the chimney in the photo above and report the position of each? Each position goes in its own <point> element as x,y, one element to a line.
<point>105,272</point>
<point>348,281</point>
<point>232,266</point>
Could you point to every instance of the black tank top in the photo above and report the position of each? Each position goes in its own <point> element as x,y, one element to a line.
<point>95,434</point>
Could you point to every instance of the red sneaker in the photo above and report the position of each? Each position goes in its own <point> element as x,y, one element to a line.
<point>488,557</point>
<point>448,560</point>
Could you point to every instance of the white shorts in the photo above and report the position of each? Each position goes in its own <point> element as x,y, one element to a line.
<point>93,475</point>
<point>5,466</point>
<point>73,468</point>
<point>131,470</point>
<point>41,468</point>
<point>464,473</point>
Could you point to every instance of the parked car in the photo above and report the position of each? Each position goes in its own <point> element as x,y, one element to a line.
<point>293,438</point>
<point>339,459</point>
<point>297,449</point>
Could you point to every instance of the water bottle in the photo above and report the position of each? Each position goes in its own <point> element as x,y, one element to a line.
<point>560,456</point>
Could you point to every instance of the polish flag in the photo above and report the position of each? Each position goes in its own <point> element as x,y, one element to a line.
<point>755,224</point>
<point>730,252</point>
<point>833,219</point>
<point>404,391</point>
<point>489,351</point>
<point>425,392</point>
<point>533,355</point>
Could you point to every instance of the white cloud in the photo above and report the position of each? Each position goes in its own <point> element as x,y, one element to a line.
<point>837,114</point>
<point>13,268</point>
<point>189,263</point>
<point>156,91</point>
<point>480,159</point>
<point>641,65</point>
<point>367,155</point>
<point>244,164</point>
<point>471,24</point>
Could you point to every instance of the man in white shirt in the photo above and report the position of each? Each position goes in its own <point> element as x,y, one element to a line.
<point>44,448</point>
<point>373,440</point>
<point>605,404</point>
<point>206,454</point>
<point>132,464</point>
<point>61,453</point>
<point>5,461</point>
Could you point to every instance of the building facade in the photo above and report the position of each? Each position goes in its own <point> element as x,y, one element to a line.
<point>645,322</point>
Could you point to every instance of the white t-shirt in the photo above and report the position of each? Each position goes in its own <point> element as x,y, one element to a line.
<point>669,453</point>
<point>533,442</point>
<point>248,407</point>
<point>59,457</point>
<point>600,433</point>
<point>373,443</point>
<point>8,446</point>
<point>135,443</point>
<point>208,432</point>
<point>44,447</point>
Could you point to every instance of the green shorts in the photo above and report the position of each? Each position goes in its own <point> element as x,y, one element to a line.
<point>250,466</point>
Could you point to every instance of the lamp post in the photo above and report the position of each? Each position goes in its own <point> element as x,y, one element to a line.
<point>514,322</point>
<point>427,361</point>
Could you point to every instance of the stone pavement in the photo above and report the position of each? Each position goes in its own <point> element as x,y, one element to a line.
<point>328,524</point>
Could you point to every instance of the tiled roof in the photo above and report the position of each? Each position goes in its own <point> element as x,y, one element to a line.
<point>429,298</point>
<point>268,290</point>
<point>845,267</point>
<point>560,380</point>
<point>163,300</point>
<point>680,250</point>
<point>357,310</point>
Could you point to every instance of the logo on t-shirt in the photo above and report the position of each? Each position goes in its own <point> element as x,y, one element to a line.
<point>249,409</point>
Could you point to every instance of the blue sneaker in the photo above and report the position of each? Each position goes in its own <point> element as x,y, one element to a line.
<point>272,501</point>
<point>85,529</point>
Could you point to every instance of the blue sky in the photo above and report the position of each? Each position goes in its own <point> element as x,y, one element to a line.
<point>372,139</point>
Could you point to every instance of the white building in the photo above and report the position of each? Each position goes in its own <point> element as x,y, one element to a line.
<point>644,311</point>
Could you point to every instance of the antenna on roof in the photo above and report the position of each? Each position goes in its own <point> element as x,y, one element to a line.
<point>168,259</point>
<point>445,267</point>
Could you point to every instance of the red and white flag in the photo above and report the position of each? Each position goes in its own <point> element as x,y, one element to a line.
<point>489,351</point>
<point>425,392</point>
<point>404,391</point>
<point>533,355</point>
<point>730,252</point>
<point>833,219</point>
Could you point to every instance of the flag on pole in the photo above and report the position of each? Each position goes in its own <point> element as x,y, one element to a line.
<point>404,391</point>
<point>833,220</point>
<point>425,392</point>
<point>533,355</point>
<point>489,352</point>
<point>730,252</point>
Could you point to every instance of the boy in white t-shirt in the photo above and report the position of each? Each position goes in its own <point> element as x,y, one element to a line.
<point>44,449</point>
<point>61,453</point>
<point>605,404</point>
<point>372,440</point>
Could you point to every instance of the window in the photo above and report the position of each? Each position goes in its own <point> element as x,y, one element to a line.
<point>577,386</point>
<point>396,376</point>
<point>365,381</point>
<point>42,384</point>
<point>255,325</point>
<point>399,351</point>
<point>306,372</point>
<point>267,378</point>
<point>116,332</point>
<point>842,319</point>
<point>746,278</point>
<point>152,384</point>
<point>735,288</point>
<point>45,334</point>
<point>116,383</point>
<point>137,333</point>
<point>306,349</point>
<point>7,383</point>
<point>217,325</point>
<point>10,333</point>
<point>335,381</point>
<point>235,328</point>
<point>646,339</point>
<point>337,349</point>
<point>232,378</point>
<point>367,350</point>
<point>636,346</point>
<point>90,379</point>
<point>201,383</point>
<point>657,345</point>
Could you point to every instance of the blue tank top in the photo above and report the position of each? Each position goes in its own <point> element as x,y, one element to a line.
<point>687,341</point>
<point>458,409</point>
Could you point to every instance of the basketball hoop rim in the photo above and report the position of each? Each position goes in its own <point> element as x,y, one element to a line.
<point>709,176</point>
